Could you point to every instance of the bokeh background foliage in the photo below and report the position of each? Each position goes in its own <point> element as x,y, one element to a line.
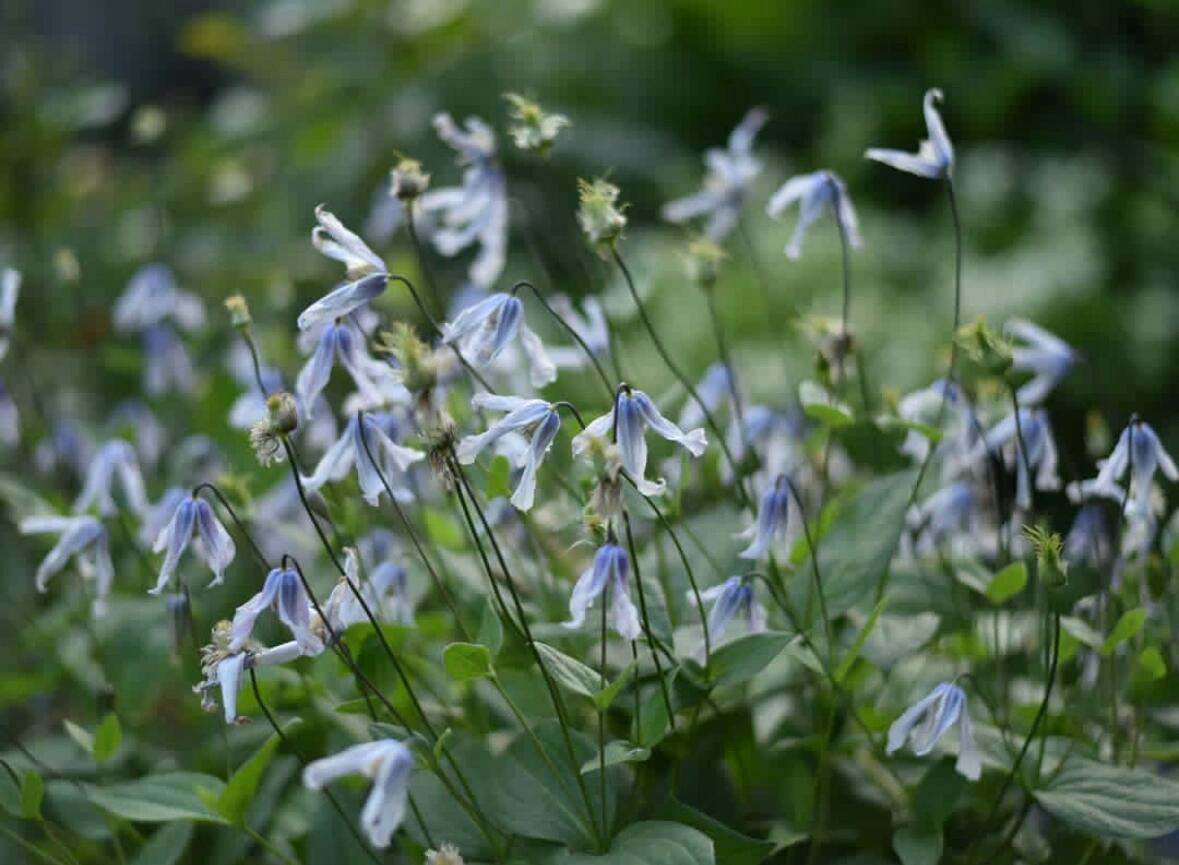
<point>204,135</point>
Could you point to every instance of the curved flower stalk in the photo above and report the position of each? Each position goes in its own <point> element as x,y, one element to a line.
<point>340,341</point>
<point>769,532</point>
<point>592,327</point>
<point>1139,451</point>
<point>350,450</point>
<point>365,273</point>
<point>84,539</point>
<point>1040,452</point>
<point>9,292</point>
<point>193,514</point>
<point>476,211</point>
<point>388,764</point>
<point>635,414</point>
<point>284,591</point>
<point>151,297</point>
<point>536,417</point>
<point>609,571</point>
<point>1047,357</point>
<point>928,720</point>
<point>816,193</point>
<point>115,458</point>
<point>732,599</point>
<point>481,331</point>
<point>935,157</point>
<point>731,172</point>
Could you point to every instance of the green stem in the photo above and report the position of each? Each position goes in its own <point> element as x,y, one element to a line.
<point>651,642</point>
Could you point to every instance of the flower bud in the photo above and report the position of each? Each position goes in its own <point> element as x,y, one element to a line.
<point>407,180</point>
<point>283,413</point>
<point>1049,548</point>
<point>599,215</point>
<point>239,311</point>
<point>704,261</point>
<point>985,347</point>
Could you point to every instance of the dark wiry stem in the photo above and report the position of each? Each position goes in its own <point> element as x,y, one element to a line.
<point>570,330</point>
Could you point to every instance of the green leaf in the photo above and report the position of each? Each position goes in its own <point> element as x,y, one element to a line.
<point>1081,631</point>
<point>107,738</point>
<point>617,752</point>
<point>569,672</point>
<point>1008,583</point>
<point>499,478</point>
<point>442,528</point>
<point>854,652</point>
<point>1128,626</point>
<point>84,738</point>
<point>32,791</point>
<point>491,629</point>
<point>730,846</point>
<point>646,843</point>
<point>466,662</point>
<point>918,845</point>
<point>604,697</point>
<point>937,793</point>
<point>654,720</point>
<point>743,658</point>
<point>159,798</point>
<point>1150,666</point>
<point>239,791</point>
<point>166,846</point>
<point>1111,800</point>
<point>820,405</point>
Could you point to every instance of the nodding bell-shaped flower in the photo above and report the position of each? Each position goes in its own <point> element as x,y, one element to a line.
<point>476,211</point>
<point>284,591</point>
<point>365,274</point>
<point>223,669</point>
<point>388,764</point>
<point>609,573</point>
<point>1040,454</point>
<point>635,414</point>
<point>482,330</point>
<point>166,363</point>
<point>1090,541</point>
<point>732,598</point>
<point>935,157</point>
<point>1140,451</point>
<point>216,546</point>
<point>925,407</point>
<point>340,341</point>
<point>153,296</point>
<point>1048,357</point>
<point>815,193</point>
<point>116,456</point>
<point>9,291</point>
<point>350,449</point>
<point>158,515</point>
<point>535,416</point>
<point>924,724</point>
<point>769,531</point>
<point>83,538</point>
<point>947,512</point>
<point>731,171</point>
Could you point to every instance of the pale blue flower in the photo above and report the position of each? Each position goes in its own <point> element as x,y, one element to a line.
<point>225,675</point>
<point>951,513</point>
<point>1040,454</point>
<point>536,417</point>
<point>284,591</point>
<point>935,156</point>
<point>388,764</point>
<point>924,724</point>
<point>151,297</point>
<point>1140,451</point>
<point>66,446</point>
<point>157,516</point>
<point>349,450</point>
<point>732,599</point>
<point>925,406</point>
<point>1046,356</point>
<point>139,420</point>
<point>716,388</point>
<point>476,211</point>
<point>366,275</point>
<point>610,570</point>
<point>216,546</point>
<point>116,458</point>
<point>769,530</point>
<point>1090,540</point>
<point>636,414</point>
<point>9,291</point>
<point>731,172</point>
<point>84,539</point>
<point>815,193</point>
<point>166,364</point>
<point>340,341</point>
<point>9,418</point>
<point>481,331</point>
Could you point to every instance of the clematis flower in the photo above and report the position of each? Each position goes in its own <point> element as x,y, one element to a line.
<point>925,407</point>
<point>1090,540</point>
<point>151,297</point>
<point>773,520</point>
<point>636,413</point>
<point>935,157</point>
<point>365,274</point>
<point>285,592</point>
<point>1046,356</point>
<point>731,172</point>
<point>222,669</point>
<point>388,763</point>
<point>715,388</point>
<point>815,193</point>
<point>166,364</point>
<point>947,514</point>
<point>9,291</point>
<point>349,449</point>
<point>476,211</point>
<point>924,724</point>
<point>537,416</point>
<point>732,598</point>
<point>610,571</point>
<point>484,329</point>
<point>340,341</point>
<point>216,547</point>
<point>1139,450</point>
<point>1040,454</point>
<point>83,538</point>
<point>116,457</point>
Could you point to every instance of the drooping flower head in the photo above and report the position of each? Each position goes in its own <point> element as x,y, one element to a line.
<point>365,273</point>
<point>82,538</point>
<point>284,591</point>
<point>340,341</point>
<point>388,764</point>
<point>1046,356</point>
<point>947,513</point>
<point>935,156</point>
<point>536,417</point>
<point>116,458</point>
<point>1141,453</point>
<point>223,669</point>
<point>924,724</point>
<point>633,414</point>
<point>1040,455</point>
<point>166,364</point>
<point>364,440</point>
<point>773,520</point>
<point>732,599</point>
<point>731,172</point>
<point>151,297</point>
<point>610,572</point>
<point>816,193</point>
<point>481,331</point>
<point>193,514</point>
